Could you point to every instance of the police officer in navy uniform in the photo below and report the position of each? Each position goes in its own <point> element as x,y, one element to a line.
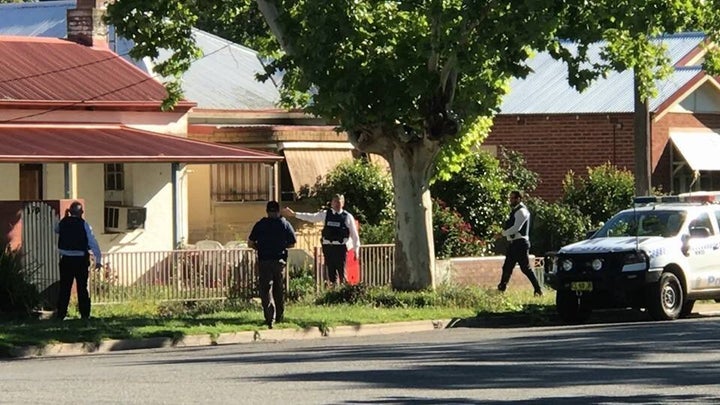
<point>517,232</point>
<point>75,239</point>
<point>338,235</point>
<point>272,236</point>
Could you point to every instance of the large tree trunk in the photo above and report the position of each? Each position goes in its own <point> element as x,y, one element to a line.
<point>414,248</point>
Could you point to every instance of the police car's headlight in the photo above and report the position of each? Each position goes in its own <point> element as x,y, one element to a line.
<point>567,264</point>
<point>597,264</point>
<point>635,261</point>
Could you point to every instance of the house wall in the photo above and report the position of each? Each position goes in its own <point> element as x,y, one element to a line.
<point>147,184</point>
<point>661,139</point>
<point>554,144</point>
<point>9,181</point>
<point>200,223</point>
<point>174,123</point>
<point>54,178</point>
<point>226,221</point>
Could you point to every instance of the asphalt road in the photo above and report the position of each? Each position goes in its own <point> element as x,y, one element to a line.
<point>633,362</point>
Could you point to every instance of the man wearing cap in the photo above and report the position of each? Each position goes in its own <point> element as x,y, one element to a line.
<point>272,236</point>
<point>75,239</point>
<point>338,235</point>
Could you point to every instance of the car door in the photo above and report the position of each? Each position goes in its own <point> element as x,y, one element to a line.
<point>704,254</point>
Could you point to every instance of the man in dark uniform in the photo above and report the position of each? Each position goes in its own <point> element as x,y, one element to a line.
<point>272,236</point>
<point>75,239</point>
<point>338,235</point>
<point>517,232</point>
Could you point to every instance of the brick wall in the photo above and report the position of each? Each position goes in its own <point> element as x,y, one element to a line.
<point>484,272</point>
<point>554,144</point>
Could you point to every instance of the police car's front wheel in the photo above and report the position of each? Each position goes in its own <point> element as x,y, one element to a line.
<point>665,298</point>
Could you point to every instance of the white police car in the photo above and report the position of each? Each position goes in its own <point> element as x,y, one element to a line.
<point>661,256</point>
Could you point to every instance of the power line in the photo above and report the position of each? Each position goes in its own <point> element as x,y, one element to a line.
<point>99,95</point>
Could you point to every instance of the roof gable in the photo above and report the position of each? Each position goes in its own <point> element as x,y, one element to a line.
<point>546,90</point>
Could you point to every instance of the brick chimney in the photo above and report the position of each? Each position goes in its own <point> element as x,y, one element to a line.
<point>85,23</point>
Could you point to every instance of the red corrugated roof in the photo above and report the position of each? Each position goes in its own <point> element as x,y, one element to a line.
<point>49,71</point>
<point>54,143</point>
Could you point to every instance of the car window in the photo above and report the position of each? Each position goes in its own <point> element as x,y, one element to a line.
<point>703,221</point>
<point>645,223</point>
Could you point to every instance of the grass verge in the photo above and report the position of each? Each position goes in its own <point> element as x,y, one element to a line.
<point>175,320</point>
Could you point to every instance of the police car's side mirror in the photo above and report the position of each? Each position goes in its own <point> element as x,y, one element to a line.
<point>699,232</point>
<point>590,234</point>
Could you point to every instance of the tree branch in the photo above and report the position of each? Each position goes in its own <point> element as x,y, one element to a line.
<point>269,10</point>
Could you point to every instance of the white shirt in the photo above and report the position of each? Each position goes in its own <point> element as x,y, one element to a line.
<point>352,243</point>
<point>521,216</point>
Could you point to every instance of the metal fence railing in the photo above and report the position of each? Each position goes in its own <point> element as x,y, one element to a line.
<point>376,263</point>
<point>216,274</point>
<point>174,275</point>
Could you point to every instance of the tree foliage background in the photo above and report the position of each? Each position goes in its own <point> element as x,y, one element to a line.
<point>419,81</point>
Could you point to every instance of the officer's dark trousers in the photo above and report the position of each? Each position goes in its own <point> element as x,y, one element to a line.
<point>517,253</point>
<point>74,268</point>
<point>335,257</point>
<point>272,290</point>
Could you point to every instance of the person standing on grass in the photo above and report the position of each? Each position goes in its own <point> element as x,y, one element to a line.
<point>517,231</point>
<point>75,239</point>
<point>272,236</point>
<point>338,235</point>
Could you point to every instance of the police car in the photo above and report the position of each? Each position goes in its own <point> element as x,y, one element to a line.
<point>662,255</point>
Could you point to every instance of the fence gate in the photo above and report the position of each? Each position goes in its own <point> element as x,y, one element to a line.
<point>39,245</point>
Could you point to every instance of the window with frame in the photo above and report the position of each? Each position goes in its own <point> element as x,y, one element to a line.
<point>114,176</point>
<point>240,182</point>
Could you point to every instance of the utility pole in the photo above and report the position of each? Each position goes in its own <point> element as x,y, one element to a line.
<point>643,166</point>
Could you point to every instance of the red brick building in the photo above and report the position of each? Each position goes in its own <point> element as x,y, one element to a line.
<point>558,129</point>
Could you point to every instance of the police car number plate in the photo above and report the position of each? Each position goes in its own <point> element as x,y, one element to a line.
<point>581,286</point>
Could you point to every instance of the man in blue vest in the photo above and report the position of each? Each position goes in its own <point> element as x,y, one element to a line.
<point>272,236</point>
<point>75,239</point>
<point>338,235</point>
<point>517,232</point>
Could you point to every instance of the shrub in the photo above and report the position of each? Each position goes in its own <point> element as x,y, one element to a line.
<point>301,285</point>
<point>453,236</point>
<point>367,189</point>
<point>478,192</point>
<point>516,172</point>
<point>605,191</point>
<point>345,294</point>
<point>382,233</point>
<point>553,225</point>
<point>18,295</point>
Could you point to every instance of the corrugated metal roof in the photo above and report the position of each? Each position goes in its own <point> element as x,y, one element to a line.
<point>46,143</point>
<point>546,90</point>
<point>224,79</point>
<point>42,70</point>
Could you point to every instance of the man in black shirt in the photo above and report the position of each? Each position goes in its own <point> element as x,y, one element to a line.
<point>272,237</point>
<point>75,239</point>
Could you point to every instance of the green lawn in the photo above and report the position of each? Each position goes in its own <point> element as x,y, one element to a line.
<point>174,320</point>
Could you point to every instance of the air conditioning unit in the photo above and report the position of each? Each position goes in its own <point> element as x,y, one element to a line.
<point>121,219</point>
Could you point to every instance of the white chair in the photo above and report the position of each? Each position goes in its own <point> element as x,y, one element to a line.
<point>208,245</point>
<point>236,244</point>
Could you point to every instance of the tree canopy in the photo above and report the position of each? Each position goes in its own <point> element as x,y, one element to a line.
<point>407,78</point>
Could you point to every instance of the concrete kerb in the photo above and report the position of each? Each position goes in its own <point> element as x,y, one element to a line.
<point>268,335</point>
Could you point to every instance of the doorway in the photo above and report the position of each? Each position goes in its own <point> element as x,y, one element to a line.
<point>31,182</point>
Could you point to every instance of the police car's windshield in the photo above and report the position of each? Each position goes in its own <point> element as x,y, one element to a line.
<point>643,223</point>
